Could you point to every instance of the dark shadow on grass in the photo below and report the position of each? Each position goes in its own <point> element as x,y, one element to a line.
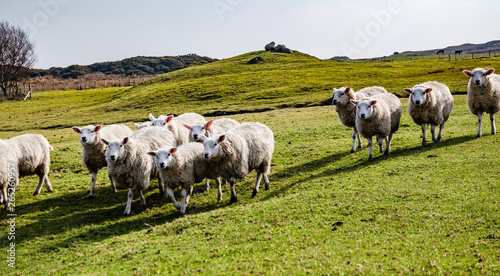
<point>319,163</point>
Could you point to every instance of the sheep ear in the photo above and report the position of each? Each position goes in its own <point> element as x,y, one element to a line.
<point>490,71</point>
<point>209,123</point>
<point>105,141</point>
<point>188,127</point>
<point>151,117</point>
<point>373,102</point>
<point>428,90</point>
<point>173,150</point>
<point>468,73</point>
<point>152,153</point>
<point>169,118</point>
<point>136,125</point>
<point>97,128</point>
<point>76,129</point>
<point>407,90</point>
<point>221,138</point>
<point>354,102</point>
<point>125,140</point>
<point>348,89</point>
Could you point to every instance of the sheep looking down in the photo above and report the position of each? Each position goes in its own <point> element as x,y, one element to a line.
<point>430,103</point>
<point>483,95</point>
<point>379,116</point>
<point>346,110</point>
<point>23,155</point>
<point>94,149</point>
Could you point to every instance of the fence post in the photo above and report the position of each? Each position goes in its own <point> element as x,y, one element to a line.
<point>95,86</point>
<point>105,83</point>
<point>472,55</point>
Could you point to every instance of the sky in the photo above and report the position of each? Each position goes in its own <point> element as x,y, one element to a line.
<point>68,32</point>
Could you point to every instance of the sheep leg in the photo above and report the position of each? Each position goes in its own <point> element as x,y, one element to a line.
<point>234,198</point>
<point>184,201</point>
<point>143,199</point>
<point>360,144</point>
<point>480,122</point>
<point>113,186</point>
<point>39,187</point>
<point>380,141</point>
<point>424,138</point>
<point>370,148</point>
<point>92,185</point>
<point>130,196</point>
<point>388,142</point>
<point>441,126</point>
<point>219,189</point>
<point>266,181</point>
<point>354,134</point>
<point>207,185</point>
<point>257,183</point>
<point>170,193</point>
<point>5,198</point>
<point>161,187</point>
<point>493,128</point>
<point>47,183</point>
<point>433,132</point>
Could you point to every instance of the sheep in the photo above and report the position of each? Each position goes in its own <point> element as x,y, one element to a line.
<point>483,95</point>
<point>182,166</point>
<point>430,103</point>
<point>237,152</point>
<point>94,149</point>
<point>143,125</point>
<point>23,155</point>
<point>346,110</point>
<point>176,125</point>
<point>130,166</point>
<point>379,116</point>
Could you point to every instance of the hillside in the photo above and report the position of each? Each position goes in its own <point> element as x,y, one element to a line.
<point>468,48</point>
<point>131,66</point>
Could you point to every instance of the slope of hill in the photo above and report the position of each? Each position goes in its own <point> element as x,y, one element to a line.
<point>468,48</point>
<point>131,66</point>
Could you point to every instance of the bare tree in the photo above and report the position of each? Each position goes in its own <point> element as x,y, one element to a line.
<point>17,57</point>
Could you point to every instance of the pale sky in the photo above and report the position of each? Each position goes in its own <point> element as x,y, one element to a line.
<point>83,32</point>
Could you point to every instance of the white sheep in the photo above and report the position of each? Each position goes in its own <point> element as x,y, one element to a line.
<point>483,95</point>
<point>176,125</point>
<point>129,164</point>
<point>143,125</point>
<point>94,149</point>
<point>430,103</point>
<point>182,166</point>
<point>237,152</point>
<point>379,116</point>
<point>346,110</point>
<point>23,155</point>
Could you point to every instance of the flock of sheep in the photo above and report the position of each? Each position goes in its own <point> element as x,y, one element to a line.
<point>372,111</point>
<point>181,151</point>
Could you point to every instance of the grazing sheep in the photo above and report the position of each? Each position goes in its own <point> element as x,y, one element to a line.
<point>483,95</point>
<point>379,116</point>
<point>237,152</point>
<point>143,125</point>
<point>94,149</point>
<point>182,166</point>
<point>23,155</point>
<point>129,164</point>
<point>210,129</point>
<point>346,110</point>
<point>430,103</point>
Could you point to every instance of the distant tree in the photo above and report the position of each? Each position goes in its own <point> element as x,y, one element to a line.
<point>17,57</point>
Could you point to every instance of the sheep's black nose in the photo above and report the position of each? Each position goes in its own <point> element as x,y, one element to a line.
<point>195,136</point>
<point>362,115</point>
<point>84,139</point>
<point>477,82</point>
<point>162,165</point>
<point>207,155</point>
<point>334,102</point>
<point>417,102</point>
<point>112,157</point>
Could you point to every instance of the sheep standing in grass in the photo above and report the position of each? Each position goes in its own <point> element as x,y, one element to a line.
<point>176,125</point>
<point>483,95</point>
<point>94,149</point>
<point>237,152</point>
<point>346,110</point>
<point>129,164</point>
<point>379,116</point>
<point>182,166</point>
<point>20,156</point>
<point>430,103</point>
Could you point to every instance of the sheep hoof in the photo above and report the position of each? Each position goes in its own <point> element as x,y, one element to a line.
<point>233,199</point>
<point>36,193</point>
<point>267,188</point>
<point>478,136</point>
<point>91,196</point>
<point>219,198</point>
<point>370,158</point>
<point>254,194</point>
<point>353,150</point>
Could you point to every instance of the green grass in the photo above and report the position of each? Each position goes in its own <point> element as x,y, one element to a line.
<point>418,210</point>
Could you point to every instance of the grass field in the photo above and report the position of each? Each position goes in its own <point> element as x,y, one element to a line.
<point>419,210</point>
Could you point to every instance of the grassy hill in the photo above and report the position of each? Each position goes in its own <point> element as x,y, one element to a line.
<point>418,210</point>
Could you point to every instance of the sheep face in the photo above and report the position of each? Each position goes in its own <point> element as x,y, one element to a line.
<point>159,122</point>
<point>418,95</point>
<point>341,96</point>
<point>212,148</point>
<point>116,150</point>
<point>364,108</point>
<point>88,134</point>
<point>164,157</point>
<point>197,131</point>
<point>479,76</point>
